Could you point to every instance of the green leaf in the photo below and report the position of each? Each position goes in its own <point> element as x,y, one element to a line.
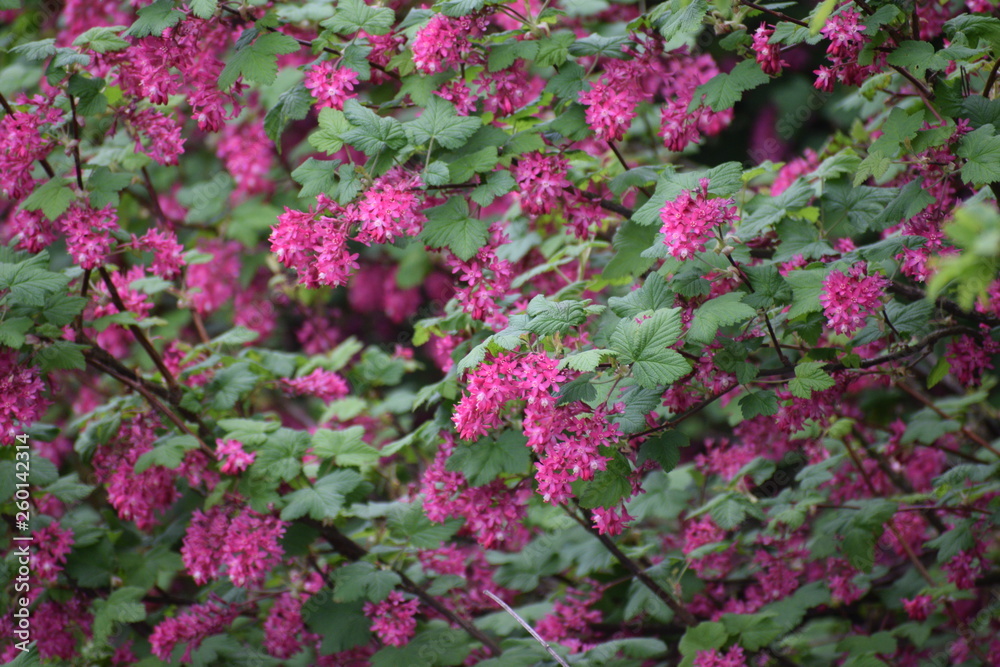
<point>554,49</point>
<point>51,198</point>
<point>675,19</point>
<point>102,40</point>
<point>316,177</point>
<point>409,523</point>
<point>917,56</point>
<point>324,499</point>
<point>354,15</point>
<point>859,208</point>
<point>69,489</point>
<point>550,317</point>
<point>806,284</point>
<point>702,637</point>
<point>758,403</point>
<point>154,19</point>
<point>29,284</point>
<point>104,185</point>
<point>644,345</point>
<point>122,606</point>
<point>720,311</point>
<point>609,486</point>
<point>450,226</point>
<point>345,447</point>
<point>257,61</point>
<point>599,45</point>
<point>203,9</point>
<point>820,15</point>
<point>370,133</point>
<point>485,460</point>
<point>722,91</point>
<point>460,7</point>
<point>463,168</point>
<point>293,104</point>
<point>61,355</point>
<point>12,331</point>
<point>664,449</point>
<point>362,580</point>
<point>169,453</point>
<point>441,124</point>
<point>585,361</point>
<point>630,242</point>
<point>568,83</point>
<point>332,126</point>
<point>981,150</point>
<point>503,55</point>
<point>231,383</point>
<point>497,183</point>
<point>810,377</point>
<point>653,295</point>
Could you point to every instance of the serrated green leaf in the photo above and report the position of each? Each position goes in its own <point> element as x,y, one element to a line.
<point>102,39</point>
<point>810,377</point>
<point>758,403</point>
<point>441,124</point>
<point>52,198</point>
<point>644,345</point>
<point>324,499</point>
<point>485,460</point>
<point>718,312</point>
<point>450,226</point>
<point>258,61</point>
<point>154,19</point>
<point>722,91</point>
<point>981,150</point>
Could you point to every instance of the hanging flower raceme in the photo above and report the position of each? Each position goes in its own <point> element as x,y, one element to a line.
<point>444,44</point>
<point>23,143</point>
<point>249,542</point>
<point>541,179</point>
<point>690,219</point>
<point>330,85</point>
<point>191,627</point>
<point>768,55</point>
<point>22,401</point>
<point>393,619</point>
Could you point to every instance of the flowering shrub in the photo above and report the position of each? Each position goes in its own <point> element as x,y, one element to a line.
<point>499,333</point>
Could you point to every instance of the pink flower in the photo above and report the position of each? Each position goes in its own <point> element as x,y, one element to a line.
<point>168,257</point>
<point>88,233</point>
<point>688,220</point>
<point>610,110</point>
<point>919,608</point>
<point>191,627</point>
<point>284,626</point>
<point>54,544</point>
<point>768,55</point>
<point>21,400</point>
<point>233,456</point>
<point>970,357</point>
<point>849,298</point>
<point>330,85</point>
<point>22,143</point>
<point>245,548</point>
<point>389,209</point>
<point>734,657</point>
<point>393,618</point>
<point>444,43</point>
<point>323,384</point>
<point>541,179</point>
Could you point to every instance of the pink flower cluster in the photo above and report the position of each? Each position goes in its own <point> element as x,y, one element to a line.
<point>393,619</point>
<point>330,85</point>
<point>234,458</point>
<point>389,209</point>
<point>444,43</point>
<point>54,544</point>
<point>493,512</point>
<point>245,548</point>
<point>191,627</point>
<point>850,298</point>
<point>487,280</point>
<point>88,233</point>
<point>571,618</point>
<point>847,39</point>
<point>612,101</point>
<point>688,220</point>
<point>541,179</point>
<point>679,76</point>
<point>22,142</point>
<point>734,657</point>
<point>22,402</point>
<point>168,254</point>
<point>323,384</point>
<point>768,55</point>
<point>315,248</point>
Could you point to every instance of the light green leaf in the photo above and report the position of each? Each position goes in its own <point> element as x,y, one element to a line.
<point>258,61</point>
<point>450,226</point>
<point>440,123</point>
<point>354,15</point>
<point>810,377</point>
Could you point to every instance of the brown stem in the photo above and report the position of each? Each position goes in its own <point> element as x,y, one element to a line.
<point>991,79</point>
<point>77,162</point>
<point>902,353</point>
<point>138,333</point>
<point>154,198</point>
<point>944,304</point>
<point>680,611</point>
<point>971,435</point>
<point>624,164</point>
<point>922,91</point>
<point>684,415</point>
<point>776,14</point>
<point>354,551</point>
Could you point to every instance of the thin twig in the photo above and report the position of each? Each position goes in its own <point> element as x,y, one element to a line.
<point>971,435</point>
<point>685,415</point>
<point>531,630</point>
<point>680,611</point>
<point>991,79</point>
<point>776,14</point>
<point>77,162</point>
<point>138,333</point>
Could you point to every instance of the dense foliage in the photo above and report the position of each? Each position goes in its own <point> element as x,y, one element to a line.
<point>500,333</point>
